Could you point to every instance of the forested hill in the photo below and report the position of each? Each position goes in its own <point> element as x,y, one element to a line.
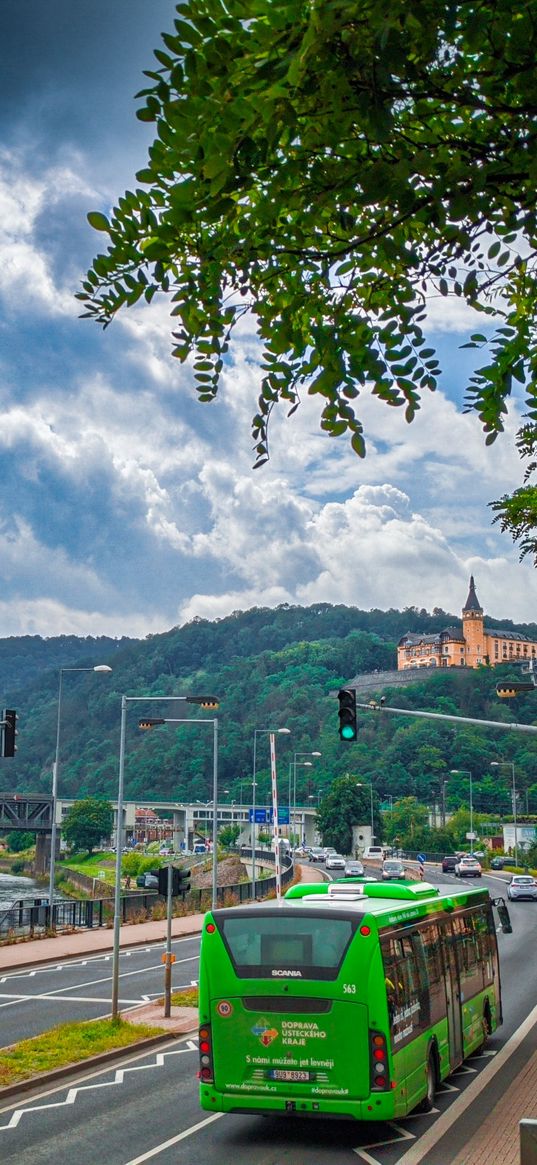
<point>270,668</point>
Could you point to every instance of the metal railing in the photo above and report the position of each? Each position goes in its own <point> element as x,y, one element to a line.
<point>33,916</point>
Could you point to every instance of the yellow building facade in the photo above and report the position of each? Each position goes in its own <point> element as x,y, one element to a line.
<point>469,645</point>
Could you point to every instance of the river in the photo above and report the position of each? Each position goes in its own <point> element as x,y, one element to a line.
<point>12,888</point>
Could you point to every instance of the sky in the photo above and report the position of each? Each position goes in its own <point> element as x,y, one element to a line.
<point>126,506</point>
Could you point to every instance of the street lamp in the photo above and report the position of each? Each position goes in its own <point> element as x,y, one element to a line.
<point>258,732</point>
<point>306,764</point>
<point>365,785</point>
<point>105,670</point>
<point>204,702</point>
<point>509,764</point>
<point>467,773</point>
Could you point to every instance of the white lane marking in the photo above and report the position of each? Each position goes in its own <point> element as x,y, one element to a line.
<point>175,1140</point>
<point>103,958</point>
<point>417,1153</point>
<point>404,1135</point>
<point>119,1077</point>
<point>68,998</point>
<point>93,982</point>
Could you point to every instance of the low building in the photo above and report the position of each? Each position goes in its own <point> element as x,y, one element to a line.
<point>470,645</point>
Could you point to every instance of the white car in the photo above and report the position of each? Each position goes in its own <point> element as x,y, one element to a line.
<point>468,868</point>
<point>335,862</point>
<point>522,886</point>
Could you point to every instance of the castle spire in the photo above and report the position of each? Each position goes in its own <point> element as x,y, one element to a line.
<point>472,602</point>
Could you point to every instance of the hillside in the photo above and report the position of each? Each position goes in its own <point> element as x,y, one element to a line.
<point>270,668</point>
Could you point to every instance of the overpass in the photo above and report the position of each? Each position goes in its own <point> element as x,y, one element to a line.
<point>34,813</point>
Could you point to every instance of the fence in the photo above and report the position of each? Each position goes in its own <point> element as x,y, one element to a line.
<point>29,916</point>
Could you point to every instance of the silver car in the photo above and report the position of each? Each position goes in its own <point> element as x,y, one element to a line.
<point>392,870</point>
<point>522,886</point>
<point>354,869</point>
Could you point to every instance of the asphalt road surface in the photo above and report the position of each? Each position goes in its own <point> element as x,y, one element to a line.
<point>147,1108</point>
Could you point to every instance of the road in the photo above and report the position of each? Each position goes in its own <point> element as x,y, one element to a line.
<point>147,1109</point>
<point>34,1000</point>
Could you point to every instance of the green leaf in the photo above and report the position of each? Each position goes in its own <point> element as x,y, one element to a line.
<point>98,221</point>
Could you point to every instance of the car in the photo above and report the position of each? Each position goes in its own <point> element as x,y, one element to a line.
<point>354,869</point>
<point>522,886</point>
<point>329,849</point>
<point>147,881</point>
<point>498,863</point>
<point>317,854</point>
<point>374,851</point>
<point>200,847</point>
<point>335,862</point>
<point>468,868</point>
<point>449,863</point>
<point>392,870</point>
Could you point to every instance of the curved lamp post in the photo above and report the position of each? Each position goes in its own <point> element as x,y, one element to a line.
<point>150,722</point>
<point>105,670</point>
<point>467,773</point>
<point>509,764</point>
<point>258,732</point>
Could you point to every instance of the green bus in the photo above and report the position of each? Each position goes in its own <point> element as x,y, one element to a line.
<point>345,1000</point>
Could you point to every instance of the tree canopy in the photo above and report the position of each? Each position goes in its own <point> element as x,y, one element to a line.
<point>87,823</point>
<point>330,168</point>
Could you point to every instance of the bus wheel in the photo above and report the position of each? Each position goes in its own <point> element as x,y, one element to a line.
<point>427,1104</point>
<point>487,1023</point>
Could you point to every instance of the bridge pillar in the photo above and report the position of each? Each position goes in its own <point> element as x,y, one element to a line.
<point>42,853</point>
<point>179,829</point>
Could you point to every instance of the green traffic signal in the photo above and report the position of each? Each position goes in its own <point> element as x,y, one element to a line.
<point>348,732</point>
<point>348,728</point>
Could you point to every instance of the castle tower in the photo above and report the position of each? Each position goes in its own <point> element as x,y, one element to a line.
<point>472,628</point>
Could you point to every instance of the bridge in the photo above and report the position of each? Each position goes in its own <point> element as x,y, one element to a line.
<point>33,813</point>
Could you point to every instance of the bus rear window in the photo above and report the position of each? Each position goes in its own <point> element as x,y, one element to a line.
<point>304,948</point>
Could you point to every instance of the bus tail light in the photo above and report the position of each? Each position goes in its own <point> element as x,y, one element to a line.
<point>378,1055</point>
<point>206,1072</point>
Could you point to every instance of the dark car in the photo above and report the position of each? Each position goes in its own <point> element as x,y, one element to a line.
<point>499,863</point>
<point>449,863</point>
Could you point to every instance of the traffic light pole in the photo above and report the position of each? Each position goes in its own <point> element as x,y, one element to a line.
<point>168,955</point>
<point>374,707</point>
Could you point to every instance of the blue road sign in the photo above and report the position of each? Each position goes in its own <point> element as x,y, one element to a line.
<point>421,858</point>
<point>262,816</point>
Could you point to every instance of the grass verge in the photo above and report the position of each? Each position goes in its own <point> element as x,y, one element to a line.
<point>70,1043</point>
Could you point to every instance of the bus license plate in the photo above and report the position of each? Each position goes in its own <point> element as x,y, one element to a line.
<point>288,1074</point>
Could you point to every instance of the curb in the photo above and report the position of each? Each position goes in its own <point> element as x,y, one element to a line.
<point>46,1078</point>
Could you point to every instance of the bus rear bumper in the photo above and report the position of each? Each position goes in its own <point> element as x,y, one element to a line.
<point>378,1107</point>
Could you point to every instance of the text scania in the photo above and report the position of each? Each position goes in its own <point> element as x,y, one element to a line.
<point>287,974</point>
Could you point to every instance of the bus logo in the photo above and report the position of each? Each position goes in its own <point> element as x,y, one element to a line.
<point>224,1008</point>
<point>286,974</point>
<point>266,1034</point>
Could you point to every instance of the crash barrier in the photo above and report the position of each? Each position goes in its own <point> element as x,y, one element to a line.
<point>32,916</point>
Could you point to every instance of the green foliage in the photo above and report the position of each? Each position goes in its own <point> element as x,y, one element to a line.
<point>19,840</point>
<point>348,803</point>
<point>87,823</point>
<point>228,835</point>
<point>331,169</point>
<point>278,667</point>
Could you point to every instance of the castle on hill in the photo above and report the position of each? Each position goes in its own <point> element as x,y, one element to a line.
<point>467,646</point>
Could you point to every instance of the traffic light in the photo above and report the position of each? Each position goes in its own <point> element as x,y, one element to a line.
<point>150,722</point>
<point>9,732</point>
<point>204,701</point>
<point>180,881</point>
<point>509,688</point>
<point>348,728</point>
